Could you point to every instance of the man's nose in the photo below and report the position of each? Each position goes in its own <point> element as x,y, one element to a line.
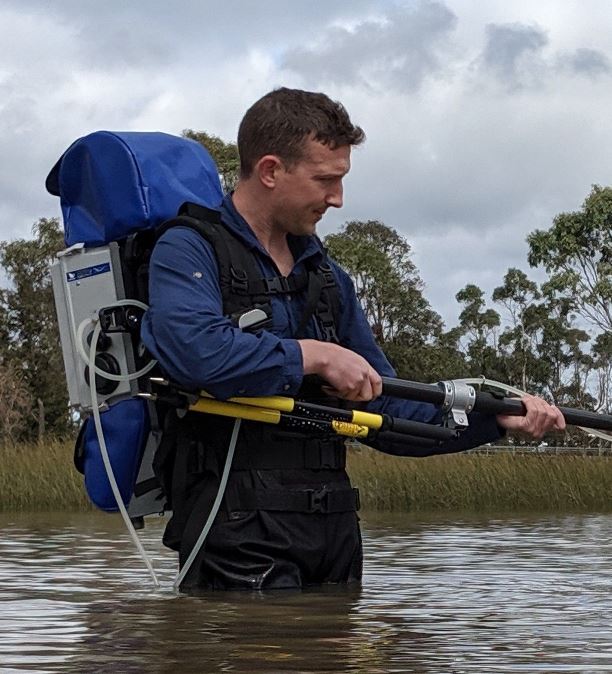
<point>334,197</point>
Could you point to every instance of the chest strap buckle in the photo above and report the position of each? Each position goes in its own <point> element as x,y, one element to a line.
<point>278,284</point>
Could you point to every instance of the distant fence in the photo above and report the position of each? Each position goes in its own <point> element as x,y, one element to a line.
<point>604,450</point>
<point>543,449</point>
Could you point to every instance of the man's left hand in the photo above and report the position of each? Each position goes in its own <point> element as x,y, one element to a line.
<point>539,420</point>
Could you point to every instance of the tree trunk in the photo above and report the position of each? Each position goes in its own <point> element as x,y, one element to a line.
<point>41,420</point>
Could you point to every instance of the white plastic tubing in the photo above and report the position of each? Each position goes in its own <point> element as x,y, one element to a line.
<point>90,359</point>
<point>103,450</point>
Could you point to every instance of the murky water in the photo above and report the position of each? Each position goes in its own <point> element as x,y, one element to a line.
<point>440,594</point>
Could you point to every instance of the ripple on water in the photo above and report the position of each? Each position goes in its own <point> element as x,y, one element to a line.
<point>455,594</point>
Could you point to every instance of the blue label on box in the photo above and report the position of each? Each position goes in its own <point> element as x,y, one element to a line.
<point>86,272</point>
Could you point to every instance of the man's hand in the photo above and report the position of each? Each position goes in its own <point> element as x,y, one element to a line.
<point>349,375</point>
<point>540,419</point>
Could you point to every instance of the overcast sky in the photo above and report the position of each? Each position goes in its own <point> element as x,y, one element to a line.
<point>483,119</point>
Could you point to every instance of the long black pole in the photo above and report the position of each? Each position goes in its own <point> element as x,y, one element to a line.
<point>487,403</point>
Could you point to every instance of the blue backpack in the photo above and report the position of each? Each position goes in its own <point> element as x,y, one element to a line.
<point>112,185</point>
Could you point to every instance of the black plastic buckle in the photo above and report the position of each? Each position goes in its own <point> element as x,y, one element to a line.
<point>330,335</point>
<point>327,273</point>
<point>328,327</point>
<point>278,284</point>
<point>318,500</point>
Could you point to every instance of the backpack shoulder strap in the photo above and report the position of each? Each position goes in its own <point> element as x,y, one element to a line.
<point>235,261</point>
<point>240,279</point>
<point>243,286</point>
<point>322,301</point>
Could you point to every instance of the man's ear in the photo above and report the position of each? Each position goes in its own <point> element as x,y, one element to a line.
<point>267,170</point>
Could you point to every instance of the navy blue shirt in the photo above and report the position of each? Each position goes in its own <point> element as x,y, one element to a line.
<point>199,347</point>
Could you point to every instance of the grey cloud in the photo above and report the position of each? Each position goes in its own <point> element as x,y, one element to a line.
<point>119,48</point>
<point>456,168</point>
<point>399,49</point>
<point>512,53</point>
<point>116,33</point>
<point>590,62</point>
<point>515,56</point>
<point>40,123</point>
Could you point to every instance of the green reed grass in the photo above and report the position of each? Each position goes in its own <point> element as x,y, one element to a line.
<point>482,482</point>
<point>43,477</point>
<point>40,477</point>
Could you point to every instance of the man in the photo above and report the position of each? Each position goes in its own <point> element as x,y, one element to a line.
<point>288,517</point>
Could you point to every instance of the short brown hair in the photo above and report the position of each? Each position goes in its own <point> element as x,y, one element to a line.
<point>279,122</point>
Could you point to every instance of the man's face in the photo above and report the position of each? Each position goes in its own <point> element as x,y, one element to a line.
<point>305,190</point>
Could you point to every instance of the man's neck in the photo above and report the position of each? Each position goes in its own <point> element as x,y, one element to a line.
<point>260,221</point>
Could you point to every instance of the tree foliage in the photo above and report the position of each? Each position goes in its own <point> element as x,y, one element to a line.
<point>387,283</point>
<point>390,290</point>
<point>561,358</point>
<point>517,342</point>
<point>225,155</point>
<point>31,350</point>
<point>577,252</point>
<point>602,364</point>
<point>478,324</point>
<point>16,403</point>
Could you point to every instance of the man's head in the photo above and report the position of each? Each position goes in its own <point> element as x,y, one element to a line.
<point>284,120</point>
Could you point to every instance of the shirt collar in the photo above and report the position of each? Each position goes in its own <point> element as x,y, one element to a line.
<point>302,247</point>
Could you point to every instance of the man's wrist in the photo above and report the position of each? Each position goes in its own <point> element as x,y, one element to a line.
<point>316,356</point>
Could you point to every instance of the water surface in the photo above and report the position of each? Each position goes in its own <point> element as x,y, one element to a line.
<point>440,594</point>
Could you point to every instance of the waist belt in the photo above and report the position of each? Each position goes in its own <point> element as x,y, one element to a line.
<point>299,501</point>
<point>293,453</point>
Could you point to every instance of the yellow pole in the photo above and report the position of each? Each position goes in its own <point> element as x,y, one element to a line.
<point>228,409</point>
<point>283,404</point>
<point>251,413</point>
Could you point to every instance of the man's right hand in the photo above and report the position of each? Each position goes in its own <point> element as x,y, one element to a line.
<point>349,375</point>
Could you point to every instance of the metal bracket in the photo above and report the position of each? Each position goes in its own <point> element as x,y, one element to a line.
<point>459,399</point>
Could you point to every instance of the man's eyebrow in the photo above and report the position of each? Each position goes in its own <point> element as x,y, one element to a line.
<point>332,174</point>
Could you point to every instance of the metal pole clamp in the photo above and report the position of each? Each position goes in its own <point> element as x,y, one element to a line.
<point>459,399</point>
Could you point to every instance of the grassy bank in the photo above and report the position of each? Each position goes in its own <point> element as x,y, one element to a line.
<point>483,482</point>
<point>42,477</point>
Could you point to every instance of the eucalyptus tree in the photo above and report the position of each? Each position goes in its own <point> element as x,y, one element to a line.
<point>519,295</point>
<point>478,326</point>
<point>390,290</point>
<point>602,365</point>
<point>387,282</point>
<point>563,365</point>
<point>223,153</point>
<point>31,349</point>
<point>577,253</point>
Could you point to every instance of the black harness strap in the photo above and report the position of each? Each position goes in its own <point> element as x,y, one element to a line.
<point>243,288</point>
<point>240,278</point>
<point>313,297</point>
<point>278,285</point>
<point>292,453</point>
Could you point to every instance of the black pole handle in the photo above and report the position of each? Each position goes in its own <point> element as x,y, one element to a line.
<point>487,403</point>
<point>409,427</point>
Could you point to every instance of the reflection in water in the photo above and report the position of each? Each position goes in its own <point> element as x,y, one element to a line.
<point>516,594</point>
